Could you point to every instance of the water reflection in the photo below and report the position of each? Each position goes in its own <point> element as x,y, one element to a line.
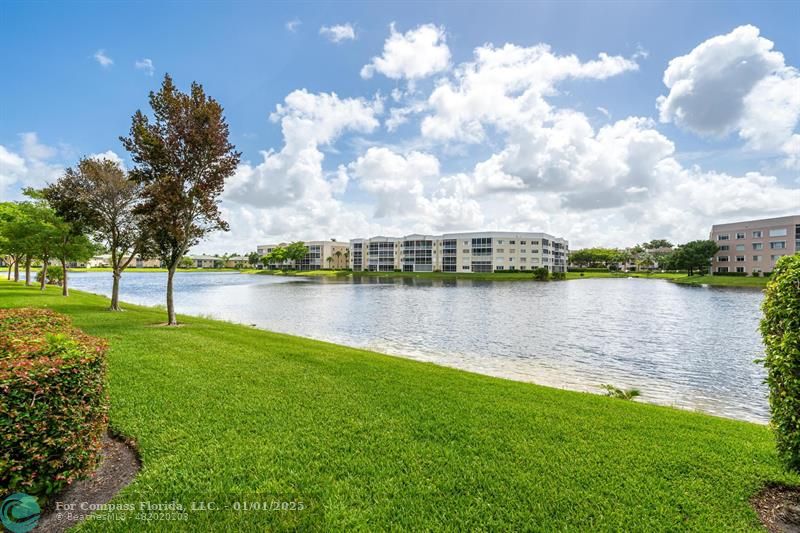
<point>691,347</point>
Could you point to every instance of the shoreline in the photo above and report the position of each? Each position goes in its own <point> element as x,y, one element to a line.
<point>679,278</point>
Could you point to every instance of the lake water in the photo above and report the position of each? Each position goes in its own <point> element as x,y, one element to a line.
<point>690,347</point>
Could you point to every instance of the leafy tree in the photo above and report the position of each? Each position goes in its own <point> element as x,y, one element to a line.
<point>98,195</point>
<point>780,329</point>
<point>186,262</point>
<point>540,274</point>
<point>13,232</point>
<point>70,245</point>
<point>182,158</point>
<point>253,258</point>
<point>329,260</point>
<point>347,258</point>
<point>276,257</point>
<point>657,243</point>
<point>338,255</point>
<point>296,251</point>
<point>694,255</point>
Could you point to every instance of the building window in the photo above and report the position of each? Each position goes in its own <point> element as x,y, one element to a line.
<point>724,248</point>
<point>722,258</point>
<point>499,268</point>
<point>758,246</point>
<point>465,267</point>
<point>740,247</point>
<point>777,245</point>
<point>780,232</point>
<point>722,269</point>
<point>756,258</point>
<point>723,237</point>
<point>740,258</point>
<point>740,235</point>
<point>776,257</point>
<point>758,234</point>
<point>512,242</point>
<point>523,242</point>
<point>739,269</point>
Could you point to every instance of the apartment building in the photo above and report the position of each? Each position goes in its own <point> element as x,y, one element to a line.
<point>317,256</point>
<point>460,252</point>
<point>755,245</point>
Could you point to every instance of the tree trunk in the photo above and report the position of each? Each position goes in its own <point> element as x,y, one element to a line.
<point>9,272</point>
<point>115,290</point>
<point>172,320</point>
<point>64,285</point>
<point>16,269</point>
<point>43,276</point>
<point>27,270</point>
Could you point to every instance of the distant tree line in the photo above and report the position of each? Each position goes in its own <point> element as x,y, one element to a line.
<point>694,256</point>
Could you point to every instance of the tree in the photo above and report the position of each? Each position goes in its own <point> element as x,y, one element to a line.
<point>276,257</point>
<point>186,262</point>
<point>656,244</point>
<point>98,195</point>
<point>13,231</point>
<point>347,257</point>
<point>296,251</point>
<point>338,255</point>
<point>694,255</point>
<point>182,158</point>
<point>329,260</point>
<point>253,258</point>
<point>70,245</point>
<point>780,329</point>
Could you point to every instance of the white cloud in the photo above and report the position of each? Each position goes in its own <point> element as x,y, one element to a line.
<point>28,168</point>
<point>338,32</point>
<point>293,25</point>
<point>101,57</point>
<point>109,155</point>
<point>730,83</point>
<point>295,173</point>
<point>506,87</point>
<point>145,65</point>
<point>413,55</point>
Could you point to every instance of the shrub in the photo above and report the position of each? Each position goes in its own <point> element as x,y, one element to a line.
<point>620,394</point>
<point>540,274</point>
<point>780,329</point>
<point>586,269</point>
<point>558,276</point>
<point>55,275</point>
<point>732,274</point>
<point>53,401</point>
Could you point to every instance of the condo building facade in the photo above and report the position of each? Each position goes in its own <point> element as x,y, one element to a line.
<point>754,246</point>
<point>460,252</point>
<point>316,258</point>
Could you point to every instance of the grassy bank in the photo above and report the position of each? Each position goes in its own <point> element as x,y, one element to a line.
<point>724,281</point>
<point>227,413</point>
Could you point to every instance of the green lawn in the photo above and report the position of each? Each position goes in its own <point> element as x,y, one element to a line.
<point>369,442</point>
<point>724,281</point>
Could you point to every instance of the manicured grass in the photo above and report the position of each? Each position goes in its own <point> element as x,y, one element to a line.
<point>724,281</point>
<point>224,412</point>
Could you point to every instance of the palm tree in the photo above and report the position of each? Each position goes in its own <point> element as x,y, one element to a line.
<point>338,254</point>
<point>329,259</point>
<point>347,258</point>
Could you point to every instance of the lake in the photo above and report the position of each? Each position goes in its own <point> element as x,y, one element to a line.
<point>689,347</point>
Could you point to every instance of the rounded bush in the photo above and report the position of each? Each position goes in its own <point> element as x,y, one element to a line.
<point>53,401</point>
<point>780,329</point>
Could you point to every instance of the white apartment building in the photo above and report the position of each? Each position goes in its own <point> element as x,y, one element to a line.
<point>317,256</point>
<point>754,246</point>
<point>460,252</point>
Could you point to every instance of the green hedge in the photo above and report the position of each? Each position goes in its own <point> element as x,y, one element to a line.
<point>587,269</point>
<point>730,274</point>
<point>780,329</point>
<point>53,402</point>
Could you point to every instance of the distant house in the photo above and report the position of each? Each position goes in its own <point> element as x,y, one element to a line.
<point>206,261</point>
<point>104,261</point>
<point>99,261</point>
<point>237,261</point>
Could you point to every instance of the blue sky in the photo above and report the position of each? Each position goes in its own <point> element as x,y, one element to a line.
<point>249,57</point>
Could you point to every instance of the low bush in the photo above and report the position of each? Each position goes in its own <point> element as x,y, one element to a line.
<point>558,276</point>
<point>53,401</point>
<point>732,274</point>
<point>55,275</point>
<point>780,329</point>
<point>540,274</point>
<point>587,269</point>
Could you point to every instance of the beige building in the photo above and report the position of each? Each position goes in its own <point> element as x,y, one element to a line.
<point>460,252</point>
<point>321,255</point>
<point>754,245</point>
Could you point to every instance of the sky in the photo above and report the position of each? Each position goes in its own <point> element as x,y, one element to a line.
<point>607,123</point>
